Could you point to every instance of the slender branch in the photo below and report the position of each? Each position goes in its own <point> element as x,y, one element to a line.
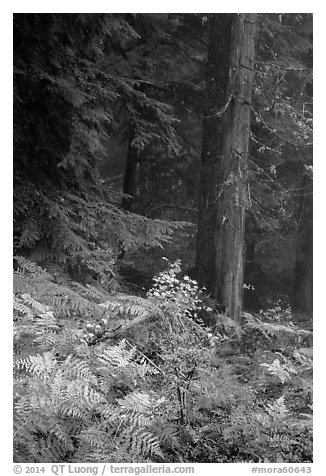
<point>222,110</point>
<point>145,356</point>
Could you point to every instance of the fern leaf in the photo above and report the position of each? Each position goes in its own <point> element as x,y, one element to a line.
<point>136,400</point>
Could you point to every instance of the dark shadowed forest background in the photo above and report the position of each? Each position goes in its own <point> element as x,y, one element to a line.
<point>163,238</point>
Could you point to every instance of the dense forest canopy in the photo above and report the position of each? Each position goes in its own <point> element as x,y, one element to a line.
<point>162,197</point>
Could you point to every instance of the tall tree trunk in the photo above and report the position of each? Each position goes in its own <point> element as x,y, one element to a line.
<point>250,298</point>
<point>303,285</point>
<point>218,65</point>
<point>129,183</point>
<point>232,184</point>
<point>224,158</point>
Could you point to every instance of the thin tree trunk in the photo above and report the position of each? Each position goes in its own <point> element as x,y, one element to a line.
<point>129,184</point>
<point>303,286</point>
<point>232,180</point>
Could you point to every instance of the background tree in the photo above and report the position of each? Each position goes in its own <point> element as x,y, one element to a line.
<point>70,72</point>
<point>303,284</point>
<point>281,149</point>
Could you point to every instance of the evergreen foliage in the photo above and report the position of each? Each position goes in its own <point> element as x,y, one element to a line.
<point>281,146</point>
<point>65,90</point>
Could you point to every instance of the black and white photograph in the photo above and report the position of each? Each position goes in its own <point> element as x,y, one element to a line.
<point>162,241</point>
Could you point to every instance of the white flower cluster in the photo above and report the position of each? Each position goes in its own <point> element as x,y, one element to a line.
<point>182,292</point>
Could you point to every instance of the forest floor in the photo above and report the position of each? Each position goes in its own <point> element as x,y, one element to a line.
<point>182,383</point>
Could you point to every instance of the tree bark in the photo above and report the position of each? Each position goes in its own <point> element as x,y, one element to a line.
<point>218,63</point>
<point>129,183</point>
<point>220,243</point>
<point>303,285</point>
<point>232,184</point>
<point>250,298</point>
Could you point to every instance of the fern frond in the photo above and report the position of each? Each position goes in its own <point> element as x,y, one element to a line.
<point>117,356</point>
<point>40,365</point>
<point>277,409</point>
<point>41,308</point>
<point>22,310</point>
<point>145,443</point>
<point>283,372</point>
<point>136,400</point>
<point>76,369</point>
<point>25,265</point>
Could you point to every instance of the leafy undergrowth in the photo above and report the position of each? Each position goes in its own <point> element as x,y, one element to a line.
<point>119,378</point>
